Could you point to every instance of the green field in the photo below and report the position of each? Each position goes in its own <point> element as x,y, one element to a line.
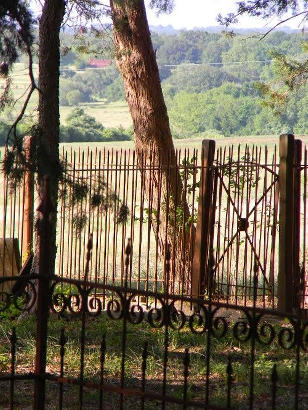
<point>115,115</point>
<point>192,143</point>
<point>110,115</point>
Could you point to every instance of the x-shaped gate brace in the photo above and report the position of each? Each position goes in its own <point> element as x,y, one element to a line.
<point>243,223</point>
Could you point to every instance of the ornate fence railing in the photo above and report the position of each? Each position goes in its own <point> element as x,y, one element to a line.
<point>228,217</point>
<point>175,352</point>
<point>82,344</point>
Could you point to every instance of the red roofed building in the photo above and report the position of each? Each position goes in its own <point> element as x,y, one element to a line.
<point>98,63</point>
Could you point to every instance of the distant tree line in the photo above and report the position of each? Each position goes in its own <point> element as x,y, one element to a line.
<point>211,84</point>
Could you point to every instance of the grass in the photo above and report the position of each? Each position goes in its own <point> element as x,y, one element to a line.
<point>110,115</point>
<point>136,336</point>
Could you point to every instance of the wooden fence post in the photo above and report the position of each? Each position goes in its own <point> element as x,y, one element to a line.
<point>289,222</point>
<point>202,239</point>
<point>28,213</point>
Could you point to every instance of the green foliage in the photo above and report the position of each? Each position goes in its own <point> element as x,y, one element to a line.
<point>216,89</point>
<point>117,134</point>
<point>11,310</point>
<point>83,127</point>
<point>73,91</point>
<point>74,97</point>
<point>197,78</point>
<point>15,29</point>
<point>91,85</point>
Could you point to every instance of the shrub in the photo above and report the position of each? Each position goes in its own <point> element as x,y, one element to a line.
<point>74,97</point>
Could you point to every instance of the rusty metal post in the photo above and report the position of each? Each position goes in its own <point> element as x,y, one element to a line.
<point>28,213</point>
<point>297,222</point>
<point>202,239</point>
<point>287,240</point>
<point>43,297</point>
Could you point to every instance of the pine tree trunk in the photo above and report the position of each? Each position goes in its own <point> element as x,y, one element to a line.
<point>136,61</point>
<point>47,139</point>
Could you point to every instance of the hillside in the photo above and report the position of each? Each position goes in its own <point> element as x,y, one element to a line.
<point>209,82</point>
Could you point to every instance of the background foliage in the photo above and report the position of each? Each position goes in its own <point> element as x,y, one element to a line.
<point>213,85</point>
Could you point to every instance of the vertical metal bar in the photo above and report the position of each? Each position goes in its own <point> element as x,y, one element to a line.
<point>174,227</point>
<point>250,159</point>
<point>274,386</point>
<point>192,232</point>
<point>257,242</point>
<point>141,216</point>
<point>219,271</point>
<point>143,370</point>
<point>102,368</point>
<point>186,373</point>
<point>209,336</point>
<point>13,340</point>
<point>274,207</point>
<point>246,205</point>
<point>62,216</point>
<point>167,247</point>
<point>84,311</point>
<point>150,216</point>
<point>263,235</point>
<point>166,314</point>
<point>90,230</point>
<point>159,214</point>
<point>96,219</point>
<point>107,223</point>
<point>228,225</point>
<point>124,327</point>
<point>253,338</point>
<point>299,331</point>
<point>63,341</point>
<point>124,184</point>
<point>71,263</point>
<point>229,382</point>
<point>134,186</point>
<point>114,243</point>
<point>182,278</point>
<point>80,251</point>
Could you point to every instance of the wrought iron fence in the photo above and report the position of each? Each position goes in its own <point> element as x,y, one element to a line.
<point>117,195</point>
<point>127,198</point>
<point>246,198</point>
<point>174,352</point>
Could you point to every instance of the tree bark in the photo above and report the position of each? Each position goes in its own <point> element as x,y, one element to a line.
<point>136,61</point>
<point>47,140</point>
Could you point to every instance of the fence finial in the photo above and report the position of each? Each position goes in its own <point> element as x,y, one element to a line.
<point>89,251</point>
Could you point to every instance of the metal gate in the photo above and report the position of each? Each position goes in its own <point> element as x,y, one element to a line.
<point>252,218</point>
<point>245,202</point>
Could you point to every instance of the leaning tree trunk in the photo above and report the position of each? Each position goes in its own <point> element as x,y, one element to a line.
<point>137,63</point>
<point>47,138</point>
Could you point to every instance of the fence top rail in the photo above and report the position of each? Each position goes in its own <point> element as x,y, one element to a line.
<point>89,287</point>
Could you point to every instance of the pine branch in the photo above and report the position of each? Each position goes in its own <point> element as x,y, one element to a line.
<point>33,87</point>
